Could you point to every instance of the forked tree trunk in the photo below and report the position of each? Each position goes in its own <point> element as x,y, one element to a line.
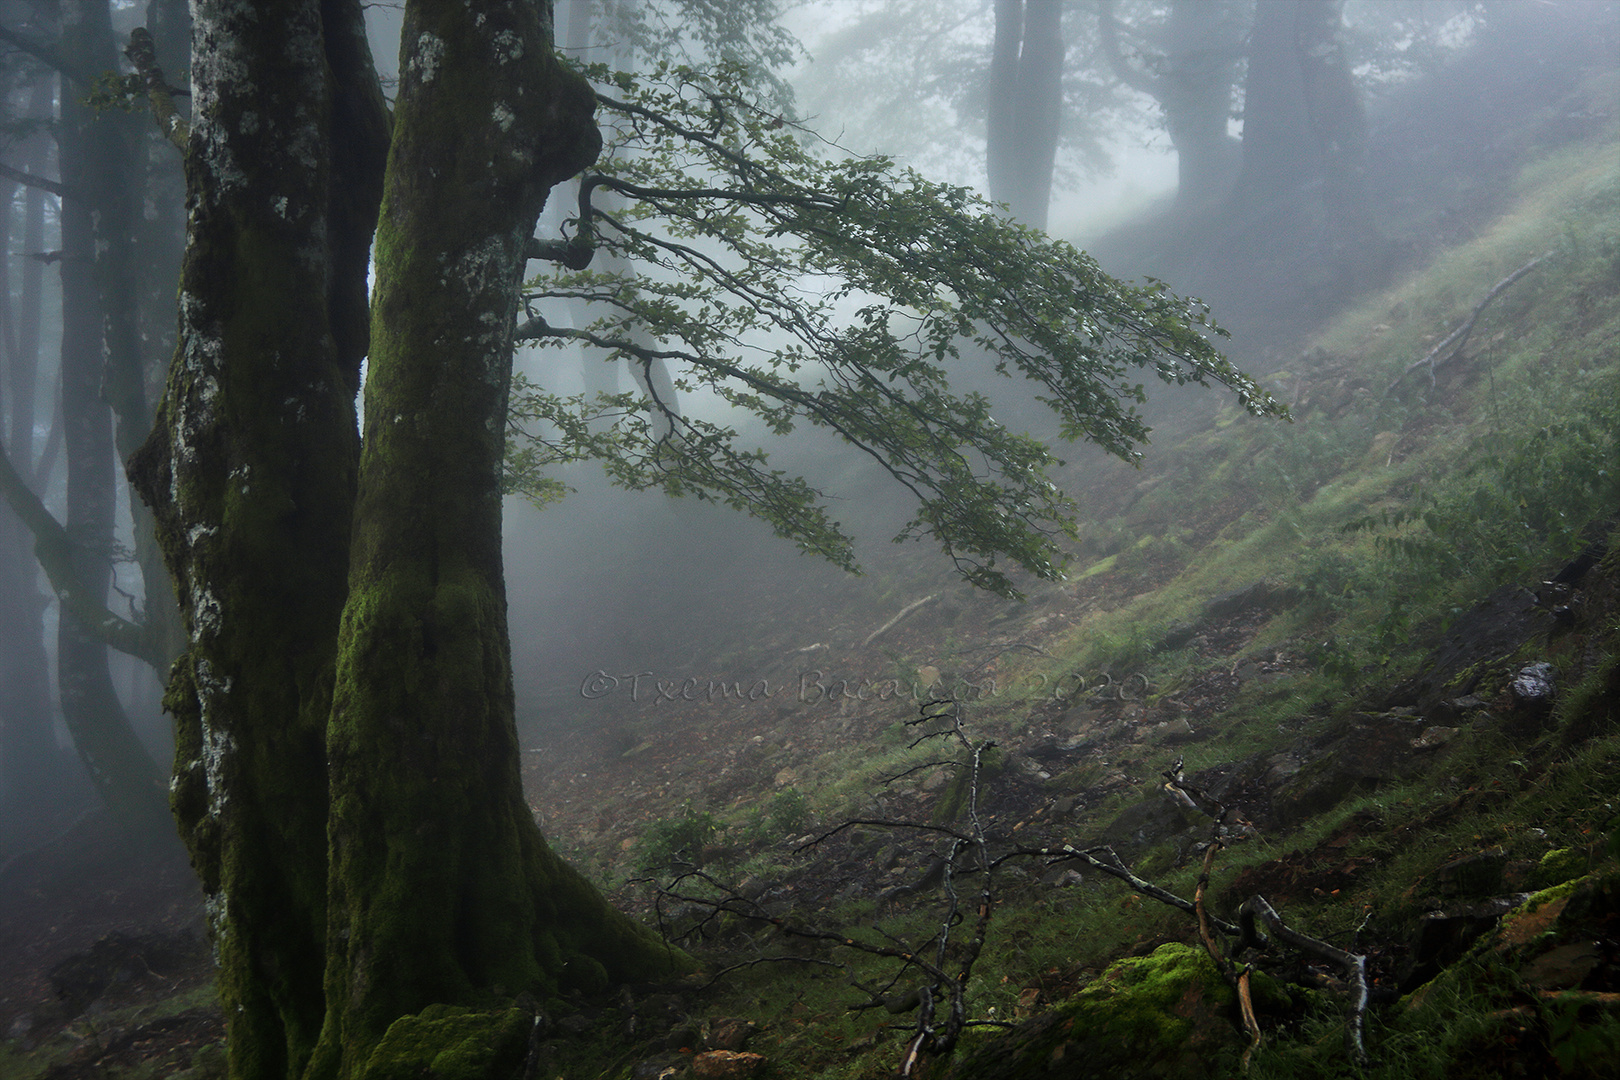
<point>251,472</point>
<point>379,825</point>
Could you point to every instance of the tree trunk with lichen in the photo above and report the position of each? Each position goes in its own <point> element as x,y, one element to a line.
<point>426,789</point>
<point>251,471</point>
<point>352,799</point>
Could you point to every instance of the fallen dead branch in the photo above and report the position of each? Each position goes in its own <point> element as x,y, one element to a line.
<point>1257,909</point>
<point>903,612</point>
<point>930,980</point>
<point>1455,340</point>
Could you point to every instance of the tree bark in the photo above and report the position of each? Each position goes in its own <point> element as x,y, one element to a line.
<point>1193,85</point>
<point>1025,106</point>
<point>441,884</point>
<point>251,470</point>
<point>353,803</point>
<point>90,149</point>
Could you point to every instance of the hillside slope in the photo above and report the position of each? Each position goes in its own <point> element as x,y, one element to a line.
<point>1338,628</point>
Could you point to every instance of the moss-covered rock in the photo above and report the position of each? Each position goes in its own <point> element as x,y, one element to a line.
<point>1164,1015</point>
<point>444,1042</point>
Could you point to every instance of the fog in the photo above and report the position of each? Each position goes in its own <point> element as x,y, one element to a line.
<point>615,581</point>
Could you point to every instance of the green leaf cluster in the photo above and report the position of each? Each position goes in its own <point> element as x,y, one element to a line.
<point>844,294</point>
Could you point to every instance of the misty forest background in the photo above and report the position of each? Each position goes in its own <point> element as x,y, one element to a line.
<point>1341,182</point>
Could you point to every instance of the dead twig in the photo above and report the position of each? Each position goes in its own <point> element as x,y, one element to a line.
<point>1258,909</point>
<point>1459,337</point>
<point>892,623</point>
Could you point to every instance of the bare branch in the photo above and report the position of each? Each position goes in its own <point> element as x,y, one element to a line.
<point>1256,908</point>
<point>142,52</point>
<point>54,549</point>
<point>1459,337</point>
<point>55,187</point>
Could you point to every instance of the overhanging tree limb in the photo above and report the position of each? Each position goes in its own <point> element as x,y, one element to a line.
<point>54,549</point>
<point>843,295</point>
<point>55,187</point>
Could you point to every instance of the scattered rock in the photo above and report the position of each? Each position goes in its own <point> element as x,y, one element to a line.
<point>661,1067</point>
<point>1494,628</point>
<point>1442,937</point>
<point>1369,751</point>
<point>1433,737</point>
<point>726,1065</point>
<point>1479,874</point>
<point>1149,822</point>
<point>1564,968</point>
<point>729,1033</point>
<point>1534,687</point>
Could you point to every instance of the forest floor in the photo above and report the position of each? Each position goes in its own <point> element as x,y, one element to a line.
<point>1259,606</point>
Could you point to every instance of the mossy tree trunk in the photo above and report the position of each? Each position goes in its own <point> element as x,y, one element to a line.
<point>353,799</point>
<point>441,883</point>
<point>251,471</point>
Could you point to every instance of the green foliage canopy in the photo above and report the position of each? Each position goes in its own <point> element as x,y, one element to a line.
<point>803,289</point>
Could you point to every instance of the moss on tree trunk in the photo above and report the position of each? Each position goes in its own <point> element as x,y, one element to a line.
<point>251,471</point>
<point>442,887</point>
<point>353,803</point>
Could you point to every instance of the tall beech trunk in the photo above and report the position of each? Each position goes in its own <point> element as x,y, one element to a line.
<point>1025,106</point>
<point>32,773</point>
<point>441,883</point>
<point>95,277</point>
<point>250,470</point>
<point>352,801</point>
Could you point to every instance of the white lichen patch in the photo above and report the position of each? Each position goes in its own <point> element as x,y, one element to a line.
<point>198,533</point>
<point>508,47</point>
<point>426,58</point>
<point>279,205</point>
<point>216,755</point>
<point>504,117</point>
<point>206,613</point>
<point>217,913</point>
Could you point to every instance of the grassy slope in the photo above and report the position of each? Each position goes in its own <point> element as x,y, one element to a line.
<point>1509,454</point>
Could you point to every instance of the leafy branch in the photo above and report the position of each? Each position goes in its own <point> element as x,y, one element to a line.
<point>845,295</point>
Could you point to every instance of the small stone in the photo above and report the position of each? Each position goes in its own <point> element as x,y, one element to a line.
<point>1064,879</point>
<point>729,1034</point>
<point>1433,737</point>
<point>726,1065</point>
<point>1534,686</point>
<point>658,1068</point>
